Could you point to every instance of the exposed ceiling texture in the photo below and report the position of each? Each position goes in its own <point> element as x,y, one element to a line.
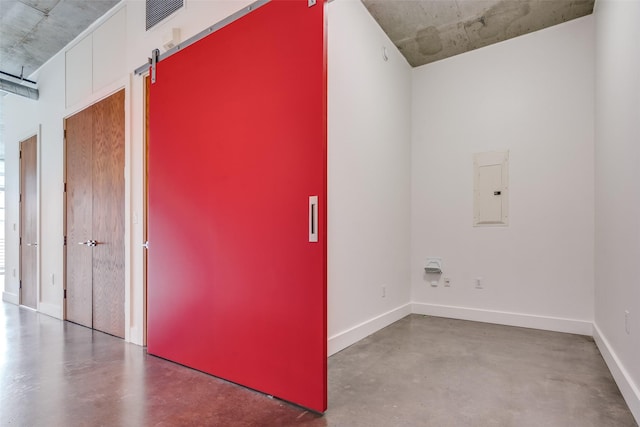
<point>32,31</point>
<point>426,30</point>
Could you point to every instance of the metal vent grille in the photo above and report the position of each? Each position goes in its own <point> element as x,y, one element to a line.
<point>157,10</point>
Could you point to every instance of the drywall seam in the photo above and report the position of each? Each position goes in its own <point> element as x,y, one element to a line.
<point>628,388</point>
<point>572,326</point>
<point>344,339</point>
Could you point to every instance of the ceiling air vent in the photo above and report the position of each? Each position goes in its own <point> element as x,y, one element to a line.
<point>157,10</point>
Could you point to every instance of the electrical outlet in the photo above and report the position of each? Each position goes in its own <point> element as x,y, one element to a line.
<point>479,283</point>
<point>627,322</point>
<point>434,283</point>
<point>384,291</point>
<point>447,282</point>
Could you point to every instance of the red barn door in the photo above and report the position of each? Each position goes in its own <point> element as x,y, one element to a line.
<point>237,125</point>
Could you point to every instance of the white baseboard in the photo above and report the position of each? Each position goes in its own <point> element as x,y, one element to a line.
<point>628,388</point>
<point>49,309</point>
<point>572,326</point>
<point>344,339</point>
<point>11,298</point>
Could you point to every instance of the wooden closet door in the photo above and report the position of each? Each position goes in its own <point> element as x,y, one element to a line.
<point>108,215</point>
<point>95,216</point>
<point>79,276</point>
<point>28,222</point>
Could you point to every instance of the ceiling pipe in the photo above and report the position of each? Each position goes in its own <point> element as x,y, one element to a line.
<point>16,87</point>
<point>20,77</point>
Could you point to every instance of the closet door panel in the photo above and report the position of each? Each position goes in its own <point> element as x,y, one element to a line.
<point>79,217</point>
<point>95,216</point>
<point>108,215</point>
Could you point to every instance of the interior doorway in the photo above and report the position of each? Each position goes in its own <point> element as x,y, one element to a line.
<point>95,280</point>
<point>29,222</point>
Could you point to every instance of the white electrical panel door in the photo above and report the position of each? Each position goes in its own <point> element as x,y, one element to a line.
<point>491,188</point>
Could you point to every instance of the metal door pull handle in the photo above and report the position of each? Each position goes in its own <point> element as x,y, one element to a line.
<point>313,219</point>
<point>90,243</point>
<point>32,244</point>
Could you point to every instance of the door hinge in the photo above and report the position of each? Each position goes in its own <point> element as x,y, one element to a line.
<point>65,240</point>
<point>20,284</point>
<point>65,294</point>
<point>65,134</point>
<point>65,187</point>
<point>20,198</point>
<point>20,154</point>
<point>20,241</point>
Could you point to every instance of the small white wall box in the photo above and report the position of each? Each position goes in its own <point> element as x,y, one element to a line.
<point>491,189</point>
<point>172,39</point>
<point>433,266</point>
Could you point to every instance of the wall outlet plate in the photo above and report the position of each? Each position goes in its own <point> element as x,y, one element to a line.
<point>627,322</point>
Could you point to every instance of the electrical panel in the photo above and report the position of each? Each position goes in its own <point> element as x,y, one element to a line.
<point>491,188</point>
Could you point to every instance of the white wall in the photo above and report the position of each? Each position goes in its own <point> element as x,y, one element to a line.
<point>532,95</point>
<point>617,227</point>
<point>369,122</point>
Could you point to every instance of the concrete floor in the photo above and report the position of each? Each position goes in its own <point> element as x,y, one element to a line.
<point>420,371</point>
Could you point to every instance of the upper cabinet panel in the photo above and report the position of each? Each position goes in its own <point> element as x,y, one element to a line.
<point>109,43</point>
<point>78,75</point>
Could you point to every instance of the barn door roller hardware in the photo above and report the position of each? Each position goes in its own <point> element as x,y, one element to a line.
<point>156,56</point>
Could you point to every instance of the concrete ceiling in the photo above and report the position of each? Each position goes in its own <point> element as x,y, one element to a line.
<point>426,30</point>
<point>32,31</point>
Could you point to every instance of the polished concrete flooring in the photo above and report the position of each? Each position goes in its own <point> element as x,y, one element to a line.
<point>420,371</point>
